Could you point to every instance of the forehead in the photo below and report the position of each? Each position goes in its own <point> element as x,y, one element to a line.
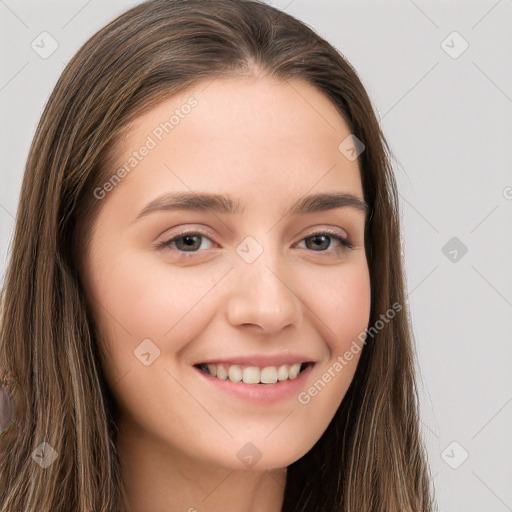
<point>240,110</point>
<point>254,135</point>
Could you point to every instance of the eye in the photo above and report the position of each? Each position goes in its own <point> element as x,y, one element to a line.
<point>187,241</point>
<point>322,240</point>
<point>191,241</point>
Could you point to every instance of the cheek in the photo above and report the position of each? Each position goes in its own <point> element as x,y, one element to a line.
<point>149,300</point>
<point>134,300</point>
<point>343,305</point>
<point>341,299</point>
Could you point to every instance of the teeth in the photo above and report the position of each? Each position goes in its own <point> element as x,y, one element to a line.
<point>269,375</point>
<point>221,372</point>
<point>282,372</point>
<point>235,373</point>
<point>294,371</point>
<point>253,374</point>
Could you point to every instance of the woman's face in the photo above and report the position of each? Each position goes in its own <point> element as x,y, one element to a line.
<point>256,286</point>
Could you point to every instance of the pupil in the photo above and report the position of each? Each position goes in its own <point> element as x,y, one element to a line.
<point>325,240</point>
<point>189,240</point>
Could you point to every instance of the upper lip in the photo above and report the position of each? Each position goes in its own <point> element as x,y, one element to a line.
<point>260,360</point>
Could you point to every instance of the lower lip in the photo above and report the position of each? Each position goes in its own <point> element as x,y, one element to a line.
<point>261,393</point>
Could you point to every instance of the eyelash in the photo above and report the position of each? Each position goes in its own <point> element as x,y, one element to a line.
<point>345,244</point>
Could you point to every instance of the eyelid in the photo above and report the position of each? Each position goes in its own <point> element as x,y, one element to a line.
<point>328,230</point>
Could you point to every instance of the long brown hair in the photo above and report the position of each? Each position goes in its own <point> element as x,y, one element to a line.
<point>371,457</point>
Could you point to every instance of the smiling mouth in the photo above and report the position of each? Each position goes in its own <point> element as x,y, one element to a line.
<point>266,375</point>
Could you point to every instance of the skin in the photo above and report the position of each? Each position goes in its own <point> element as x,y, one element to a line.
<point>265,143</point>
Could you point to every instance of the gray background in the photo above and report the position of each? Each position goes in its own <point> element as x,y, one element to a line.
<point>448,121</point>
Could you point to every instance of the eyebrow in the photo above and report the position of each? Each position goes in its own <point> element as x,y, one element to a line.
<point>219,203</point>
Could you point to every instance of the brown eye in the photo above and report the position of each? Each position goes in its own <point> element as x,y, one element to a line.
<point>186,242</point>
<point>318,242</point>
<point>322,241</point>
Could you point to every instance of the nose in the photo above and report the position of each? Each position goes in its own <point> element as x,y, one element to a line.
<point>263,296</point>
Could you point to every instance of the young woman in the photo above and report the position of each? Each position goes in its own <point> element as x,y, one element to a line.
<point>205,308</point>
